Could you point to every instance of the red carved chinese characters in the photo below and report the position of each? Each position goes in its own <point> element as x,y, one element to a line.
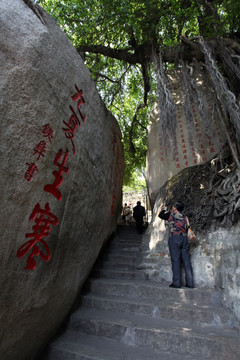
<point>80,100</point>
<point>180,128</point>
<point>48,132</point>
<point>71,128</point>
<point>53,188</point>
<point>74,122</point>
<point>30,171</point>
<point>161,148</point>
<point>40,149</point>
<point>43,219</point>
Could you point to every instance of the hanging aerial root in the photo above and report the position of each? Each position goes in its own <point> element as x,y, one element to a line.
<point>227,197</point>
<point>226,97</point>
<point>167,110</point>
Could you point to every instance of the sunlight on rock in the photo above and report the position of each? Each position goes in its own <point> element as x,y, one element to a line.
<point>156,312</point>
<point>186,329</point>
<point>129,337</point>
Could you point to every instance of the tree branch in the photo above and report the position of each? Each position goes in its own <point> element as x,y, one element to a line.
<point>106,78</point>
<point>141,54</point>
<point>36,9</point>
<point>131,145</point>
<point>121,54</point>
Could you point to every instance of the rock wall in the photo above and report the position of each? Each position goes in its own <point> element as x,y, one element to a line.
<point>215,258</point>
<point>215,254</point>
<point>195,143</point>
<point>185,173</point>
<point>61,177</point>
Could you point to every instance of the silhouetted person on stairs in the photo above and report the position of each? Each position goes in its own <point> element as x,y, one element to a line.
<point>138,214</point>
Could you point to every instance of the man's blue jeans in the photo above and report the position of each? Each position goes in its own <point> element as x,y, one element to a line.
<point>179,250</point>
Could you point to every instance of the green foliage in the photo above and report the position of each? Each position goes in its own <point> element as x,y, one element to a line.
<point>230,14</point>
<point>127,25</point>
<point>136,183</point>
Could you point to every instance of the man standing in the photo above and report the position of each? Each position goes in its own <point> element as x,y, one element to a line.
<point>138,214</point>
<point>178,244</point>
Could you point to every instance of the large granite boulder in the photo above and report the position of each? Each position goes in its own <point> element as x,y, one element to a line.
<point>61,177</point>
<point>200,133</point>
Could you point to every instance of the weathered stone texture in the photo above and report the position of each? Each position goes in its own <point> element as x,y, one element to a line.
<point>215,260</point>
<point>189,176</point>
<point>215,254</point>
<point>196,142</point>
<point>40,74</point>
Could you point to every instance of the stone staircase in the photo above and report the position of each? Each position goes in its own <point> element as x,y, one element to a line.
<point>123,316</point>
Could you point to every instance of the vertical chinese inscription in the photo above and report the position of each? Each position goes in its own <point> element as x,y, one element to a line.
<point>74,122</point>
<point>53,188</point>
<point>39,151</point>
<point>43,217</point>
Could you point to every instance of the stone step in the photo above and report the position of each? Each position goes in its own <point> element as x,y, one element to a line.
<point>161,247</point>
<point>124,240</point>
<point>116,274</point>
<point>127,229</point>
<point>118,258</point>
<point>153,290</point>
<point>120,246</point>
<point>130,252</point>
<point>127,239</point>
<point>123,316</point>
<point>79,346</point>
<point>166,335</point>
<point>118,249</point>
<point>160,273</point>
<point>188,312</point>
<point>130,239</point>
<point>129,266</point>
<point>127,235</point>
<point>153,262</point>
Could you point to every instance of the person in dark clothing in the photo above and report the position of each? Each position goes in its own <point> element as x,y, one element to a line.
<point>178,244</point>
<point>138,214</point>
